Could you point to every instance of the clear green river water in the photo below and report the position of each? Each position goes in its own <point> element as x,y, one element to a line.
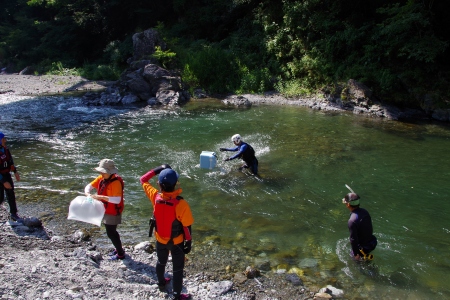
<point>292,215</point>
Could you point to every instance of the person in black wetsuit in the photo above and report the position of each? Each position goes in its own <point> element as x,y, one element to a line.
<point>362,239</point>
<point>245,152</point>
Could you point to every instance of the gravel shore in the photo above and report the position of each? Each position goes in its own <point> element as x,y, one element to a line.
<point>47,84</point>
<point>36,263</point>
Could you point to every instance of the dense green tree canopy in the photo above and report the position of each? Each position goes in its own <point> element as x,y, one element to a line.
<point>399,48</point>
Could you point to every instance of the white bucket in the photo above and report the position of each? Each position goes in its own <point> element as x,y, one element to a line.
<point>208,160</point>
<point>81,209</point>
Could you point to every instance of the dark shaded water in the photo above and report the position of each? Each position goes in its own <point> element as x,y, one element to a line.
<point>291,216</point>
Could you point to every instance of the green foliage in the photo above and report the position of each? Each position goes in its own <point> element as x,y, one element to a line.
<point>220,71</point>
<point>165,58</point>
<point>292,88</point>
<point>398,48</point>
<point>57,68</point>
<point>46,3</point>
<point>213,68</point>
<point>392,47</point>
<point>254,81</point>
<point>88,71</point>
<point>99,72</point>
<point>116,52</point>
<point>408,33</point>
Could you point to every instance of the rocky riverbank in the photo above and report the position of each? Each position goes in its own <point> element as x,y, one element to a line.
<point>37,263</point>
<point>355,97</point>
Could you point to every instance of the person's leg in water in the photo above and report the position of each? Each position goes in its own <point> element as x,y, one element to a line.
<point>113,235</point>
<point>244,166</point>
<point>254,168</point>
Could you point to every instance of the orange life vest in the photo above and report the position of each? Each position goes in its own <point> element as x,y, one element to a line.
<point>167,224</point>
<point>111,208</point>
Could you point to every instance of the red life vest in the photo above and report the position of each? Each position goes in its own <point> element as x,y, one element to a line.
<point>111,208</point>
<point>5,161</point>
<point>167,224</point>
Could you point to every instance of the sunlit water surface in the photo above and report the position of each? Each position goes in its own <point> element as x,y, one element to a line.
<point>292,214</point>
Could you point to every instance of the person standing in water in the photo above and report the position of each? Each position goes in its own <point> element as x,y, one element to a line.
<point>245,152</point>
<point>173,218</point>
<point>109,188</point>
<point>6,182</point>
<point>362,240</point>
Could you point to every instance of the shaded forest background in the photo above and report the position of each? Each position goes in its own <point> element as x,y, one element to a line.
<point>400,49</point>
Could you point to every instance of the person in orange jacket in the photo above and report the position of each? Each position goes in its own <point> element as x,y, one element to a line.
<point>173,218</point>
<point>110,188</point>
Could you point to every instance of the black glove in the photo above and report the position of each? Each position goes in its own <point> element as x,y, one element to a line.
<point>158,170</point>
<point>187,247</point>
<point>223,149</point>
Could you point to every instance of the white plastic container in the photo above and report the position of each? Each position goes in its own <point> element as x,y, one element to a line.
<point>208,160</point>
<point>84,210</point>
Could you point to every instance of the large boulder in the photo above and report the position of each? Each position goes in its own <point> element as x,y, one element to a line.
<point>237,101</point>
<point>441,115</point>
<point>137,85</point>
<point>161,79</point>
<point>357,94</point>
<point>157,84</point>
<point>144,45</point>
<point>144,80</point>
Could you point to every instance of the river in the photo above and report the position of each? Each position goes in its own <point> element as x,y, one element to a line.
<point>291,216</point>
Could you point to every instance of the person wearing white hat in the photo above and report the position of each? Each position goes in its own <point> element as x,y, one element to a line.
<point>6,182</point>
<point>245,152</point>
<point>109,188</point>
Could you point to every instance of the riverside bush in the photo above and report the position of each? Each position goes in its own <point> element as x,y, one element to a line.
<point>99,72</point>
<point>57,68</point>
<point>215,69</point>
<point>254,81</point>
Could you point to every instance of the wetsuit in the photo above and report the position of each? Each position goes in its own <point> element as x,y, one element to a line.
<point>361,231</point>
<point>6,166</point>
<point>247,154</point>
